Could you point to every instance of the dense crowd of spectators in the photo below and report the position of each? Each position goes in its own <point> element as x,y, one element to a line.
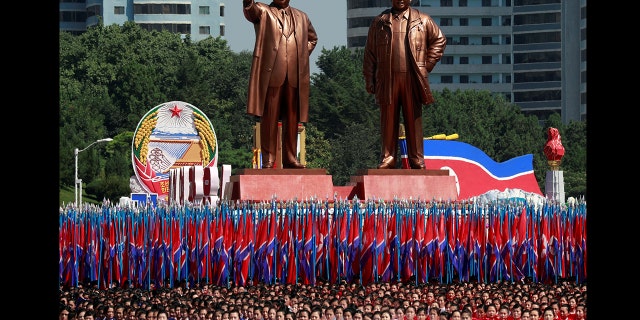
<point>563,300</point>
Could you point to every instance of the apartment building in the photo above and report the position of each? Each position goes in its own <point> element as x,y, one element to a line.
<point>533,52</point>
<point>197,18</point>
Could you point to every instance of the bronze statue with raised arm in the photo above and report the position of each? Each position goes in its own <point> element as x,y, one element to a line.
<point>403,45</point>
<point>279,81</point>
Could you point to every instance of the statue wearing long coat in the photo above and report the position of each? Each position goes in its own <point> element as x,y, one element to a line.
<point>267,31</point>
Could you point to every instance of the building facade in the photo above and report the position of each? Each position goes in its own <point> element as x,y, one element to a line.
<point>197,18</point>
<point>533,52</point>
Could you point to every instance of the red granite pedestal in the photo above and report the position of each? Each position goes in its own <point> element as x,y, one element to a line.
<point>281,184</point>
<point>304,184</point>
<point>390,184</point>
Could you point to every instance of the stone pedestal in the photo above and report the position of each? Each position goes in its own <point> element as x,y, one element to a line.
<point>390,184</point>
<point>281,184</point>
<point>554,185</point>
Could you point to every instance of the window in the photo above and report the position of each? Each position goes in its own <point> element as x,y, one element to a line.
<point>181,28</point>
<point>204,30</point>
<point>73,16</point>
<point>547,95</point>
<point>446,60</point>
<point>203,10</point>
<point>486,79</point>
<point>464,41</point>
<point>539,37</point>
<point>486,40</point>
<point>92,11</point>
<point>535,57</point>
<point>486,22</point>
<point>464,60</point>
<point>446,22</point>
<point>446,79</point>
<point>446,3</point>
<point>464,79</point>
<point>222,30</point>
<point>487,60</point>
<point>222,10</point>
<point>464,21</point>
<point>486,3</point>
<point>541,76</point>
<point>357,41</point>
<point>462,3</point>
<point>161,8</point>
<point>536,18</point>
<point>118,10</point>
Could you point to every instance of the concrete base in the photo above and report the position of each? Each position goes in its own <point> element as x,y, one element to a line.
<point>390,184</point>
<point>281,184</point>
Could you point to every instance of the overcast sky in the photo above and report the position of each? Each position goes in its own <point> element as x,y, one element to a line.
<point>329,18</point>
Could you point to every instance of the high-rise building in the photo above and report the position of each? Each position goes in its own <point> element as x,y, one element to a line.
<point>197,18</point>
<point>531,51</point>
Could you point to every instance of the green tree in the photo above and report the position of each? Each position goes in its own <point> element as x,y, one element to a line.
<point>338,96</point>
<point>357,148</point>
<point>111,76</point>
<point>229,79</point>
<point>318,148</point>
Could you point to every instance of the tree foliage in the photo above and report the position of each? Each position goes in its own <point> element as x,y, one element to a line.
<point>110,76</point>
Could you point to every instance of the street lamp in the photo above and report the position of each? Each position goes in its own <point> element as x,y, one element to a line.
<point>79,181</point>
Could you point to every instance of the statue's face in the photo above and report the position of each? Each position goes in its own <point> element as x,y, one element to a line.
<point>400,5</point>
<point>281,3</point>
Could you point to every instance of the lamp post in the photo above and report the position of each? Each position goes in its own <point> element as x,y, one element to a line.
<point>77,181</point>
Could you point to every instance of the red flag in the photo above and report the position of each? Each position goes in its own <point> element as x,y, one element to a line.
<point>441,249</point>
<point>420,258</point>
<point>244,243</point>
<point>368,249</point>
<point>389,261</point>
<point>568,247</point>
<point>430,245</point>
<point>192,249</point>
<point>543,249</point>
<point>322,239</point>
<point>555,245</point>
<point>406,248</point>
<point>452,235</point>
<point>337,232</point>
<point>381,244</point>
<point>292,263</point>
<point>353,246</point>
<point>493,252</point>
<point>282,257</point>
<point>579,231</point>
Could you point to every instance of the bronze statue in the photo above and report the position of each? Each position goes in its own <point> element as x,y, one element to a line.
<point>279,82</point>
<point>403,45</point>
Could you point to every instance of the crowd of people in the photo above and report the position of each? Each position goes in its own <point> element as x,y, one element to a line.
<point>564,300</point>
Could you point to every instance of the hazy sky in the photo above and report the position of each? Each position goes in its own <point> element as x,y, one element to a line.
<point>329,18</point>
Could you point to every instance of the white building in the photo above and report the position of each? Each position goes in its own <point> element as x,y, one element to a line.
<point>197,18</point>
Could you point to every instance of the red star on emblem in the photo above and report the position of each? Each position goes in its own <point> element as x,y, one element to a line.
<point>175,112</point>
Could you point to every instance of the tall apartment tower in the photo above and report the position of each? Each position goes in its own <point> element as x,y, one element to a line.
<point>197,18</point>
<point>531,51</point>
